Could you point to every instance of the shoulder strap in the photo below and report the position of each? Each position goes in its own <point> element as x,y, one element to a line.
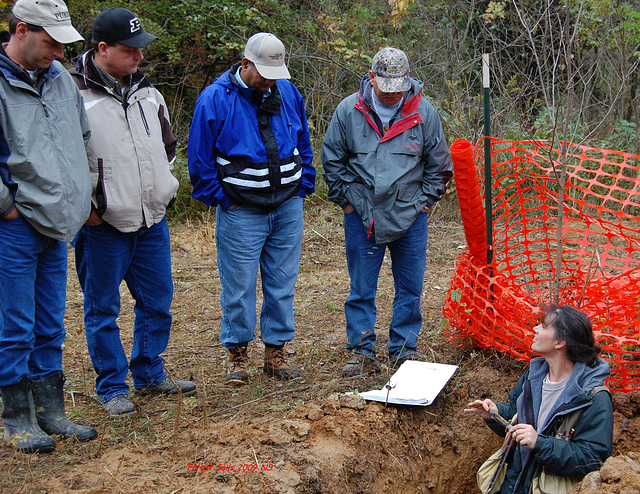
<point>597,389</point>
<point>569,421</point>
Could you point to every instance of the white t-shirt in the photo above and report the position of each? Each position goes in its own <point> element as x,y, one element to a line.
<point>550,394</point>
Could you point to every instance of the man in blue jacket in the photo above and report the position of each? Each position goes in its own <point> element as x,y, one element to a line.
<point>45,197</point>
<point>250,155</point>
<point>386,162</point>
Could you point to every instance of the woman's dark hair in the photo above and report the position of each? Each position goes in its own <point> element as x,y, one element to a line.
<point>573,327</point>
<point>13,24</point>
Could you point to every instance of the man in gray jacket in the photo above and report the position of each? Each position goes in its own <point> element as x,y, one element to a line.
<point>131,152</point>
<point>386,162</point>
<point>44,199</point>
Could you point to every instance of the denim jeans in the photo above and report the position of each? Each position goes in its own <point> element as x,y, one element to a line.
<point>104,258</point>
<point>33,289</point>
<point>249,238</point>
<point>364,260</point>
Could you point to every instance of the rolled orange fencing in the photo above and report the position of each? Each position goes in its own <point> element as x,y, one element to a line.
<point>468,191</point>
<point>600,270</point>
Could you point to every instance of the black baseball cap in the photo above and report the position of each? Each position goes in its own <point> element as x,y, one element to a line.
<point>120,25</point>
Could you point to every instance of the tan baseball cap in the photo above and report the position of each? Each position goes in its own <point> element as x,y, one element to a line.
<point>52,15</point>
<point>267,53</point>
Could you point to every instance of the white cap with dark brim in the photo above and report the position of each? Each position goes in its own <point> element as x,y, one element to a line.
<point>52,15</point>
<point>267,53</point>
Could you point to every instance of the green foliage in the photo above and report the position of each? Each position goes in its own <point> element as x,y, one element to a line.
<point>184,206</point>
<point>331,43</point>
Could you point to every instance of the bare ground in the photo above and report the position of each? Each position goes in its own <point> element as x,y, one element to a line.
<point>300,436</point>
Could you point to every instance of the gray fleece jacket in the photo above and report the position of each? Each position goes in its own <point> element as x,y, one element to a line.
<point>44,170</point>
<point>389,177</point>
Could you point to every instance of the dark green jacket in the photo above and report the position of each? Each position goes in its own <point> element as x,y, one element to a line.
<point>591,442</point>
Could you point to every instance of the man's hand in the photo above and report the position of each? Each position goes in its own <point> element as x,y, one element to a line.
<point>13,214</point>
<point>232,207</point>
<point>525,435</point>
<point>348,209</point>
<point>94,219</point>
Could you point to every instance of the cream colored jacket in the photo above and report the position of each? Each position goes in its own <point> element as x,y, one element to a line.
<point>131,150</point>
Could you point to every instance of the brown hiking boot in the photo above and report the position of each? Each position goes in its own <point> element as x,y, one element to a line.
<point>275,364</point>
<point>238,365</point>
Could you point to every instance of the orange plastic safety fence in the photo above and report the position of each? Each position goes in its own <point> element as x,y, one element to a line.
<point>600,273</point>
<point>468,188</point>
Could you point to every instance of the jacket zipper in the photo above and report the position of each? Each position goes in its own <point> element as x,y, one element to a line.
<point>144,119</point>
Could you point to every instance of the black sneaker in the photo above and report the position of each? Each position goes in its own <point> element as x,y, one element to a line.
<point>397,362</point>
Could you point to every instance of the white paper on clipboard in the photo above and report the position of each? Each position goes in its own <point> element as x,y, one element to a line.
<point>414,383</point>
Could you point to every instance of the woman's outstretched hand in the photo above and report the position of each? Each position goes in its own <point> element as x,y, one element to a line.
<point>482,408</point>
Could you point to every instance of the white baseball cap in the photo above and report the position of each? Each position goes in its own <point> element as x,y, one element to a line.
<point>267,53</point>
<point>52,15</point>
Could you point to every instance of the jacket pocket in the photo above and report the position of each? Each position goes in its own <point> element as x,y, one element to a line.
<point>409,193</point>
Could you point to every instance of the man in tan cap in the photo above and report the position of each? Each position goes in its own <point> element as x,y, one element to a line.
<point>250,155</point>
<point>45,197</point>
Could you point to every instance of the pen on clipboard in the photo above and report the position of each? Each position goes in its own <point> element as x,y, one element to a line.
<point>389,387</point>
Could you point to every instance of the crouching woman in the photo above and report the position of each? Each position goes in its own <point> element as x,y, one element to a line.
<point>564,426</point>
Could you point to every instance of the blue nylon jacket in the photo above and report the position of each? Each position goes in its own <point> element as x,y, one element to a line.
<point>592,441</point>
<point>225,130</point>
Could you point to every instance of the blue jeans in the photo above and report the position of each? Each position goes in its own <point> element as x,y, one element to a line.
<point>364,260</point>
<point>104,258</point>
<point>33,289</point>
<point>249,238</point>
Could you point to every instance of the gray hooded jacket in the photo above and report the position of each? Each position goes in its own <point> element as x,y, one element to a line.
<point>43,163</point>
<point>387,178</point>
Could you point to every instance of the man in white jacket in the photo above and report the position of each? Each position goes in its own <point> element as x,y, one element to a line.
<point>130,152</point>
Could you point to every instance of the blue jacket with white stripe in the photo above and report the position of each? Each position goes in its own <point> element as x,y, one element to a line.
<point>244,149</point>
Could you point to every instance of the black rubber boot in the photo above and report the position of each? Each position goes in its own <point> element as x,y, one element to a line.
<point>48,399</point>
<point>21,428</point>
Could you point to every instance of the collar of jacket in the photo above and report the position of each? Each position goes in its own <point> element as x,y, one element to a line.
<point>12,71</point>
<point>576,394</point>
<point>409,112</point>
<point>91,78</point>
<point>270,105</point>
